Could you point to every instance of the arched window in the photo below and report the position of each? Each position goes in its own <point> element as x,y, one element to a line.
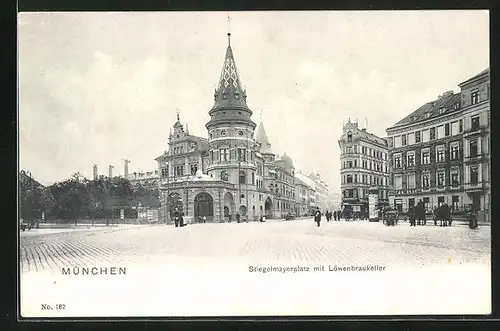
<point>242,177</point>
<point>349,137</point>
<point>224,176</point>
<point>253,178</point>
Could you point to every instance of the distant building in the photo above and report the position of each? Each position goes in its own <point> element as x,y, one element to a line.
<point>364,165</point>
<point>440,152</point>
<point>305,195</point>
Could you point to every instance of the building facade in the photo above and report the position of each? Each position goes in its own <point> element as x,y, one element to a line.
<point>440,152</point>
<point>233,172</point>
<point>364,165</point>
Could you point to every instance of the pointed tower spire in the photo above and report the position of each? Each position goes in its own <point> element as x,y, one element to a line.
<point>261,137</point>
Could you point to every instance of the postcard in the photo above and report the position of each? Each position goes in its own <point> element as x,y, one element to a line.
<point>277,163</point>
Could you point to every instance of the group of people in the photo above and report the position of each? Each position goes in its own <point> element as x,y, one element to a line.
<point>179,219</point>
<point>336,215</point>
<point>416,214</point>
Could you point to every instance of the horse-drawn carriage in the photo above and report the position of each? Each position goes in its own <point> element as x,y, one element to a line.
<point>390,217</point>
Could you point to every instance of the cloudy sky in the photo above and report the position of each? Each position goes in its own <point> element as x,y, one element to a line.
<point>99,87</point>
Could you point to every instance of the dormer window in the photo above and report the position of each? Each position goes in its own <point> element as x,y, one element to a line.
<point>441,110</point>
<point>349,137</point>
<point>456,106</point>
<point>427,115</point>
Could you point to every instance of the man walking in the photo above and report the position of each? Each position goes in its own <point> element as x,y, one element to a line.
<point>317,217</point>
<point>176,218</point>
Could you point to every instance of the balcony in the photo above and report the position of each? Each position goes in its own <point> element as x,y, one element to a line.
<point>476,130</point>
<point>476,187</point>
<point>476,158</point>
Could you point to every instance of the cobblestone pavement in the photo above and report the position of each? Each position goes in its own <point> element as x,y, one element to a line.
<point>288,241</point>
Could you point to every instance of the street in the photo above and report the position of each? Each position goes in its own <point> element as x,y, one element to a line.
<point>272,268</point>
<point>298,240</point>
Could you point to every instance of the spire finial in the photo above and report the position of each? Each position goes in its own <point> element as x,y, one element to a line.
<point>178,112</point>
<point>228,30</point>
<point>261,110</point>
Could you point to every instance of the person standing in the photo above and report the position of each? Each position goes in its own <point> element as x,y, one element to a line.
<point>176,218</point>
<point>420,212</point>
<point>238,217</point>
<point>411,215</point>
<point>204,219</point>
<point>317,217</point>
<point>334,215</point>
<point>181,220</point>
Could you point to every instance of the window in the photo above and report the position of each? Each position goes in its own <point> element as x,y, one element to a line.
<point>164,172</point>
<point>411,184</point>
<point>425,158</point>
<point>447,129</point>
<point>253,178</point>
<point>455,201</point>
<point>397,142</point>
<point>403,140</point>
<point>417,136</point>
<point>410,159</point>
<point>440,132</point>
<point>223,133</point>
<point>240,133</point>
<point>425,136</point>
<point>440,201</point>
<point>473,148</point>
<point>455,128</point>
<point>475,123</point>
<point>397,160</point>
<point>179,170</point>
<point>454,177</point>
<point>241,154</point>
<point>426,178</point>
<point>440,155</point>
<point>398,182</point>
<point>454,147</point>
<point>474,175</point>
<point>349,179</point>
<point>441,110</point>
<point>411,138</point>
<point>355,178</point>
<point>349,137</point>
<point>440,178</point>
<point>461,126</point>
<point>427,203</point>
<point>224,154</point>
<point>242,177</point>
<point>433,133</point>
<point>355,163</point>
<point>474,97</point>
<point>194,168</point>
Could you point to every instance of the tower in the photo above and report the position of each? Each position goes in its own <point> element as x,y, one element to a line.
<point>265,145</point>
<point>125,168</point>
<point>111,171</point>
<point>230,132</point>
<point>96,174</point>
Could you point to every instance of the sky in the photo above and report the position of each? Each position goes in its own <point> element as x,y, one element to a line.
<point>97,88</point>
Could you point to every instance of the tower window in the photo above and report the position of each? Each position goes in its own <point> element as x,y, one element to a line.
<point>223,133</point>
<point>240,133</point>
<point>239,113</point>
<point>349,137</point>
<point>237,95</point>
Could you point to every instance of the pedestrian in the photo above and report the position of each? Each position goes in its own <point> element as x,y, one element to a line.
<point>181,220</point>
<point>411,215</point>
<point>420,212</point>
<point>238,217</point>
<point>317,217</point>
<point>176,219</point>
<point>204,219</point>
<point>335,215</point>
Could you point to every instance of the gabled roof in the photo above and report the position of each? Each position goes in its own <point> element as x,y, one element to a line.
<point>484,72</point>
<point>431,109</point>
<point>261,137</point>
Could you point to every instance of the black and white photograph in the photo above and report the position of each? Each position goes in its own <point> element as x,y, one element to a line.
<point>254,163</point>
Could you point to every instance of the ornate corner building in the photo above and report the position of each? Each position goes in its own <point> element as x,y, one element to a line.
<point>364,167</point>
<point>441,152</point>
<point>233,171</point>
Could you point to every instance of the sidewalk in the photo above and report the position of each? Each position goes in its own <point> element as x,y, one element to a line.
<point>79,228</point>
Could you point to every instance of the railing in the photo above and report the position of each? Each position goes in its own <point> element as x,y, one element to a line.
<point>481,186</point>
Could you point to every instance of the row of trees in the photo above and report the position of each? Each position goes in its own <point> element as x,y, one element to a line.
<point>78,198</point>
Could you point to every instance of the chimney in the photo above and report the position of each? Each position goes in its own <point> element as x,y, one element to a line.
<point>96,174</point>
<point>111,171</point>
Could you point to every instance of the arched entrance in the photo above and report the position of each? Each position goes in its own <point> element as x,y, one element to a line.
<point>203,206</point>
<point>268,207</point>
<point>228,206</point>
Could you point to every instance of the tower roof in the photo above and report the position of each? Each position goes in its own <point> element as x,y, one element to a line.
<point>261,137</point>
<point>229,93</point>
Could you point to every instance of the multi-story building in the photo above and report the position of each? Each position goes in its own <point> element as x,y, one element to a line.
<point>321,190</point>
<point>440,152</point>
<point>364,166</point>
<point>232,172</point>
<point>305,195</point>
